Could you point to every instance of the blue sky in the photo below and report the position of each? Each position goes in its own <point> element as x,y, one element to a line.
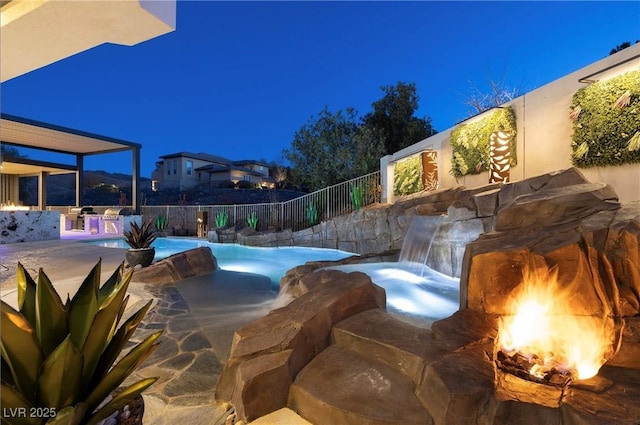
<point>238,79</point>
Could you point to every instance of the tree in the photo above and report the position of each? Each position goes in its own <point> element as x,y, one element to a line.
<point>9,152</point>
<point>279,173</point>
<point>330,149</point>
<point>499,92</point>
<point>368,147</point>
<point>393,118</point>
<point>619,47</point>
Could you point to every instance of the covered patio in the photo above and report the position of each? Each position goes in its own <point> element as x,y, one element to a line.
<point>20,132</point>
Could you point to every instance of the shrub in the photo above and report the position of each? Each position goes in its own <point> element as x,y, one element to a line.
<point>226,184</point>
<point>161,222</point>
<point>357,196</point>
<point>61,360</point>
<point>312,214</point>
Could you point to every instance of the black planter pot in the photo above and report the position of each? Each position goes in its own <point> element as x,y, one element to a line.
<point>142,256</point>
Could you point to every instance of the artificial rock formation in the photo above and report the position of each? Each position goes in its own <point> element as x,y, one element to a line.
<point>180,266</point>
<point>369,368</point>
<point>267,354</point>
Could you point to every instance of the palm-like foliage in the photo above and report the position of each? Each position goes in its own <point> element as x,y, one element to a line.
<point>64,357</point>
<point>140,235</point>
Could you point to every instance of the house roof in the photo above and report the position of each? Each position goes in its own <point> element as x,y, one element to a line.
<point>214,168</point>
<point>201,156</point>
<point>250,162</point>
<point>217,168</point>
<point>214,158</point>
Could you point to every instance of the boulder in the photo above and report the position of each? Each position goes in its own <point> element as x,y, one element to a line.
<point>265,374</point>
<point>343,387</point>
<point>180,266</point>
<point>556,179</point>
<point>301,330</point>
<point>451,399</point>
<point>561,205</point>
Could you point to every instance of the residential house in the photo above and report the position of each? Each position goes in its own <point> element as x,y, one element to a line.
<point>184,170</point>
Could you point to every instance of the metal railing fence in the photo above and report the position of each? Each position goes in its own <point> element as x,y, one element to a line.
<point>295,214</point>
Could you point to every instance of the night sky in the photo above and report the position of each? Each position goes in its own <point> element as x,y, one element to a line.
<point>238,79</point>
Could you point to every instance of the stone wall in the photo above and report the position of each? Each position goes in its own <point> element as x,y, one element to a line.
<point>461,215</point>
<point>378,228</point>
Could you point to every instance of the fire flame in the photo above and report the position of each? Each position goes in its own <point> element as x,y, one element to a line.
<point>543,327</point>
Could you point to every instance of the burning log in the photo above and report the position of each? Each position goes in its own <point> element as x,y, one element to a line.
<point>532,369</point>
<point>542,346</point>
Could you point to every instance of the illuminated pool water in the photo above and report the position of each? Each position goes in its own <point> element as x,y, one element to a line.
<point>423,297</point>
<point>270,262</point>
<point>418,293</point>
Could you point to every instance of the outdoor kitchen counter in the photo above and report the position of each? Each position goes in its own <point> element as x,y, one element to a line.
<point>26,226</point>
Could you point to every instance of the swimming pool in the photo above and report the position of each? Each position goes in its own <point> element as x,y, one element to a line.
<point>270,262</point>
<point>418,293</point>
<point>420,298</point>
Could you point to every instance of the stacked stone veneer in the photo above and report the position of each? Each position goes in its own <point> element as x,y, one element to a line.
<point>26,226</point>
<point>461,215</point>
<point>382,227</point>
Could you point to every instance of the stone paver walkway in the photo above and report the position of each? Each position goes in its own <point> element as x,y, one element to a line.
<point>198,317</point>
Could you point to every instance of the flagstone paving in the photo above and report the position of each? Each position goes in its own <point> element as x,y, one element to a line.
<point>198,320</point>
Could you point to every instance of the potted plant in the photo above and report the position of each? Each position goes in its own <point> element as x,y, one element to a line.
<point>61,362</point>
<point>161,224</point>
<point>140,238</point>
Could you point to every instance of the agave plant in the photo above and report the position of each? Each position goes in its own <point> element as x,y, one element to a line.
<point>312,214</point>
<point>140,236</point>
<point>60,361</point>
<point>222,219</point>
<point>252,220</point>
<point>161,222</point>
<point>357,196</point>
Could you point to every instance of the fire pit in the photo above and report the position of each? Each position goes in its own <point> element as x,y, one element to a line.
<point>542,341</point>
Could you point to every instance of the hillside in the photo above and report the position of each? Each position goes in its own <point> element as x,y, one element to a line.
<point>103,188</point>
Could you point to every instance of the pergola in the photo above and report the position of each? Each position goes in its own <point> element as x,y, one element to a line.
<point>22,132</point>
<point>34,34</point>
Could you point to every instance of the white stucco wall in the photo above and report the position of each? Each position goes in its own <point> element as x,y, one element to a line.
<point>544,133</point>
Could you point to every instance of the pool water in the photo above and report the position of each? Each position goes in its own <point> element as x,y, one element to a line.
<point>415,293</point>
<point>420,298</point>
<point>270,262</point>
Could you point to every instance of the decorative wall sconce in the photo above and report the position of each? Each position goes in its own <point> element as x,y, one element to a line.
<point>499,157</point>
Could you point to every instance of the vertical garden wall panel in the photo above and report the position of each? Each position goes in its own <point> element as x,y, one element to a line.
<point>408,176</point>
<point>470,142</point>
<point>606,122</point>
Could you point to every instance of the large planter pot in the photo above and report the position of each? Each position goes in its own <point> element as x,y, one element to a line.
<point>142,256</point>
<point>131,414</point>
